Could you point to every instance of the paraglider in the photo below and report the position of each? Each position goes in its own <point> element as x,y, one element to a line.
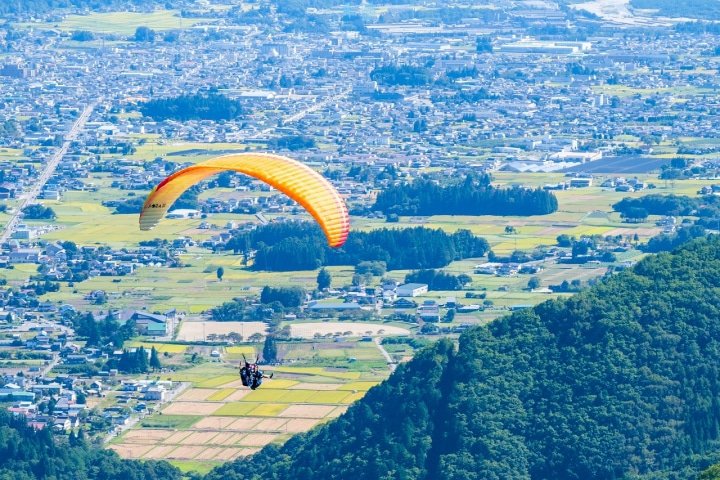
<point>295,179</point>
<point>251,375</point>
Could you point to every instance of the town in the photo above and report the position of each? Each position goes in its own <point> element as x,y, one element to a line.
<point>106,330</point>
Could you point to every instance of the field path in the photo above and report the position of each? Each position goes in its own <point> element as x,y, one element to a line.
<point>391,365</point>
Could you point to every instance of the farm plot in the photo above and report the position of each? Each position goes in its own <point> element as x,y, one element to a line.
<point>198,331</point>
<point>227,421</point>
<point>311,329</point>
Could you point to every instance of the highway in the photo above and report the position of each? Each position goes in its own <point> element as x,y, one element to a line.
<point>30,197</point>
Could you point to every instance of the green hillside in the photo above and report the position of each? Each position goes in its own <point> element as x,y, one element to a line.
<point>620,381</point>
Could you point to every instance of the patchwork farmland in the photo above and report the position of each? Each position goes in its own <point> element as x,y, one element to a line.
<point>216,419</point>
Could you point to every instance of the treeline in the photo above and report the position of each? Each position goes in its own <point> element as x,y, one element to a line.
<point>28,454</point>
<point>193,107</point>
<point>656,204</point>
<point>136,361</point>
<point>401,75</point>
<point>619,381</point>
<point>438,280</point>
<point>103,332</point>
<point>293,142</point>
<point>38,212</point>
<point>474,196</point>
<point>666,242</point>
<point>291,246</point>
<point>288,297</point>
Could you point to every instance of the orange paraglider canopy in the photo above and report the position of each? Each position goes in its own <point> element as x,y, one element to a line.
<point>294,179</point>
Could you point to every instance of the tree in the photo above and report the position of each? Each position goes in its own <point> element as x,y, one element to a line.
<point>269,354</point>
<point>155,360</point>
<point>38,212</point>
<point>220,272</point>
<point>324,279</point>
<point>144,34</point>
<point>634,215</point>
<point>509,229</point>
<point>534,283</point>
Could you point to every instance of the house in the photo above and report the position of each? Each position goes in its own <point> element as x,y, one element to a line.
<point>24,255</point>
<point>581,182</point>
<point>404,303</point>
<point>13,394</point>
<point>412,289</point>
<point>150,324</point>
<point>155,393</point>
<point>429,311</point>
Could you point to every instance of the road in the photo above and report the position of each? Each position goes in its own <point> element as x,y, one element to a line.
<point>30,197</point>
<point>299,115</point>
<point>391,365</point>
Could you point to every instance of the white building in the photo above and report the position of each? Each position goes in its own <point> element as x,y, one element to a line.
<point>412,289</point>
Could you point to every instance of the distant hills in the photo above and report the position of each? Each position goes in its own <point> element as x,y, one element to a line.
<point>620,381</point>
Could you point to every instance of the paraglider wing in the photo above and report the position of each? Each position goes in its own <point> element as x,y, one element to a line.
<point>295,179</point>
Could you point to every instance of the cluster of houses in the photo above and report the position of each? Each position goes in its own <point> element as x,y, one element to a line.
<point>59,401</point>
<point>56,263</point>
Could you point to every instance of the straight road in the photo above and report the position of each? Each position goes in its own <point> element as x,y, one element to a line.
<point>30,197</point>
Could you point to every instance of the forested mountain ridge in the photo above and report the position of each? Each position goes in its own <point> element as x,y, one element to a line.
<point>620,381</point>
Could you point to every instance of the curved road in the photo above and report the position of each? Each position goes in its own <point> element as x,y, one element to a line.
<point>29,197</point>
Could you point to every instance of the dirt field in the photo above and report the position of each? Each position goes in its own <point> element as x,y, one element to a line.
<point>191,408</point>
<point>309,330</point>
<point>307,411</point>
<point>199,438</point>
<point>126,450</point>
<point>196,394</point>
<point>185,452</point>
<point>197,331</point>
<point>257,439</point>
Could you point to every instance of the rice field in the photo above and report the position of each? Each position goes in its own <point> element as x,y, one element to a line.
<point>218,420</point>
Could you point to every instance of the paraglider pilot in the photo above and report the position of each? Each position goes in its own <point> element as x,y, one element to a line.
<point>251,376</point>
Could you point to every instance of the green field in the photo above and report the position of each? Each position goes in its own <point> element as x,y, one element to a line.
<point>125,23</point>
<point>170,421</point>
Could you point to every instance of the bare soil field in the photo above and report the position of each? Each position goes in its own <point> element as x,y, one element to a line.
<point>257,439</point>
<point>307,411</point>
<point>309,330</point>
<point>191,408</point>
<point>196,394</point>
<point>191,331</point>
<point>126,450</point>
<point>185,452</point>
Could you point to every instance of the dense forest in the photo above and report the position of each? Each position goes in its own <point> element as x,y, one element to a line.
<point>302,246</point>
<point>193,107</point>
<point>657,204</point>
<point>473,196</point>
<point>619,381</point>
<point>27,454</point>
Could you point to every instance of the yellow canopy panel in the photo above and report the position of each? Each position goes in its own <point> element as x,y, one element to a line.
<point>294,179</point>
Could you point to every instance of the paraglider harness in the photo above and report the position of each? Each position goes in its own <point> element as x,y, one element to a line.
<point>250,375</point>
